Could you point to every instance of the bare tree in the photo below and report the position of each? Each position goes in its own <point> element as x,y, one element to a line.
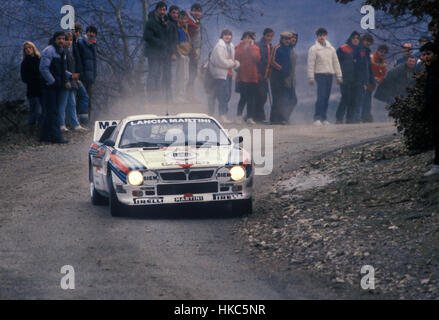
<point>122,65</point>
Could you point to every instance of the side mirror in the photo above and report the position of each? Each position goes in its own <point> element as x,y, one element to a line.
<point>238,140</point>
<point>109,143</point>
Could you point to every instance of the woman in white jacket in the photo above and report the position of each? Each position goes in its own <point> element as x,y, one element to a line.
<point>221,65</point>
<point>322,65</point>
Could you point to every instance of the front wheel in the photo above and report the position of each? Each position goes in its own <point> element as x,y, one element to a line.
<point>116,208</point>
<point>242,207</point>
<point>96,198</point>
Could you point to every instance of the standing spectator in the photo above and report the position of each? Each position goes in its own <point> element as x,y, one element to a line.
<point>406,52</point>
<point>397,81</point>
<point>264,67</point>
<point>379,70</point>
<point>54,74</point>
<point>67,105</point>
<point>88,66</point>
<point>366,79</point>
<point>248,55</point>
<point>81,93</point>
<point>290,81</point>
<point>348,55</point>
<point>157,49</point>
<point>183,51</point>
<point>30,74</point>
<point>281,70</point>
<point>322,65</point>
<point>172,19</point>
<point>221,64</point>
<point>195,35</point>
<point>430,53</point>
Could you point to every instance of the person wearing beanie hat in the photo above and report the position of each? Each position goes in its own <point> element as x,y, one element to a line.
<point>430,56</point>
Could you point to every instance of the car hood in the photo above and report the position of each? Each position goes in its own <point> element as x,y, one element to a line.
<point>178,157</point>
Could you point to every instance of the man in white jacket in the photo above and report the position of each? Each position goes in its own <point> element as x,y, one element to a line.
<point>221,65</point>
<point>322,65</point>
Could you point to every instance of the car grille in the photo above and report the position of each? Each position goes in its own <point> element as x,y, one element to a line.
<point>182,176</point>
<point>176,189</point>
<point>173,176</point>
<point>200,175</point>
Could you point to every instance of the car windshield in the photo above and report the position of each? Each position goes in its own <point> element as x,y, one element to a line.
<point>158,133</point>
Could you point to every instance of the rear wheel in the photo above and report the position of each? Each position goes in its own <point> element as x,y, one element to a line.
<point>117,209</point>
<point>242,207</point>
<point>96,198</point>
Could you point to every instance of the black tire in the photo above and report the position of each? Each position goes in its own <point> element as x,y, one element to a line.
<point>96,198</point>
<point>242,207</point>
<point>117,209</point>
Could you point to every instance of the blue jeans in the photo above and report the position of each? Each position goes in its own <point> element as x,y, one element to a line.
<point>67,108</point>
<point>35,112</point>
<point>324,86</point>
<point>223,92</point>
<point>83,100</point>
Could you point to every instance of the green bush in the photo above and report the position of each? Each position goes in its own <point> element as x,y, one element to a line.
<point>411,118</point>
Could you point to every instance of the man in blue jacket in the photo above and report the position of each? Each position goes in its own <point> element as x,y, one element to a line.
<point>53,70</point>
<point>348,56</point>
<point>282,68</point>
<point>88,66</point>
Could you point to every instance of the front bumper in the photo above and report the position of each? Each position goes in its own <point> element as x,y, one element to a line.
<point>153,195</point>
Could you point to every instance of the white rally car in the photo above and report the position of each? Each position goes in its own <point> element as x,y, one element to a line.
<point>150,160</point>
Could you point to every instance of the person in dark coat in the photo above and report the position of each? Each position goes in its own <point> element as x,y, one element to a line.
<point>88,66</point>
<point>281,70</point>
<point>195,35</point>
<point>290,81</point>
<point>347,55</point>
<point>158,52</point>
<point>430,53</point>
<point>30,74</point>
<point>81,94</point>
<point>397,81</point>
<point>367,79</point>
<point>264,68</point>
<point>53,70</point>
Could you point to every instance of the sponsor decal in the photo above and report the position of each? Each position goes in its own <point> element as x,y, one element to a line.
<point>105,124</point>
<point>189,199</point>
<point>150,177</point>
<point>148,200</point>
<point>229,196</point>
<point>168,121</point>
<point>223,175</point>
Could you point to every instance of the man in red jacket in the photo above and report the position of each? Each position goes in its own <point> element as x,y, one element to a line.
<point>248,54</point>
<point>379,70</point>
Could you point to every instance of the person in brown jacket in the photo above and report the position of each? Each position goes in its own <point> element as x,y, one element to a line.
<point>248,55</point>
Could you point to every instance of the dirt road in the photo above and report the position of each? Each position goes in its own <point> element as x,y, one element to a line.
<point>47,221</point>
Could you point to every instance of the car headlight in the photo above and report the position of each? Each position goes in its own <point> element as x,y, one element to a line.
<point>135,178</point>
<point>237,173</point>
